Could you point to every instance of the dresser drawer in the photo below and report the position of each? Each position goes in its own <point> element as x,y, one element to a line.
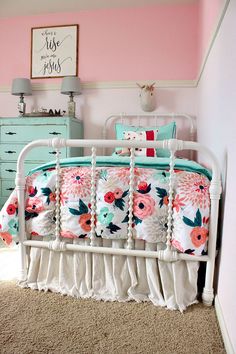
<point>24,133</point>
<point>3,200</point>
<point>8,169</point>
<point>11,153</point>
<point>7,187</point>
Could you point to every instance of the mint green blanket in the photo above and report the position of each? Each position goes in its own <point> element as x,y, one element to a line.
<point>159,163</point>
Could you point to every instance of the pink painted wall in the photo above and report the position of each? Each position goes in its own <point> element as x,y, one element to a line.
<point>217,130</point>
<point>154,42</point>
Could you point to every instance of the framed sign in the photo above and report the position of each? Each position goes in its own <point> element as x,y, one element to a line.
<point>54,51</point>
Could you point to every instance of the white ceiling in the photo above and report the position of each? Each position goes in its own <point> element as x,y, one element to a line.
<point>12,8</point>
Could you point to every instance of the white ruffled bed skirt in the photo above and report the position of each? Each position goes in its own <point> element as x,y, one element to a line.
<point>114,278</point>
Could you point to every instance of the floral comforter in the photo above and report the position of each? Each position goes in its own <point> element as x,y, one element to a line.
<point>190,205</point>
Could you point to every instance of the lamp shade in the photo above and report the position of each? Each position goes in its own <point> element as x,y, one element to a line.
<point>21,86</point>
<point>71,84</point>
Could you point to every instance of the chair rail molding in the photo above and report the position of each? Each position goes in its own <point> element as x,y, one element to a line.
<point>109,85</point>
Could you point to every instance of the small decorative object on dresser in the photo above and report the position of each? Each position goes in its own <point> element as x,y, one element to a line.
<point>15,133</point>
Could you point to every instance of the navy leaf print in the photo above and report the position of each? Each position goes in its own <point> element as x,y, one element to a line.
<point>198,219</point>
<point>126,219</point>
<point>188,222</point>
<point>30,215</point>
<point>113,228</point>
<point>46,191</point>
<point>189,251</point>
<point>74,211</point>
<point>33,192</point>
<point>137,220</point>
<point>162,194</point>
<point>83,209</point>
<point>125,194</point>
<point>119,203</point>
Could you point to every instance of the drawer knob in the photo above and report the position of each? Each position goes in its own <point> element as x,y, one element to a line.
<point>55,133</point>
<point>53,152</point>
<point>10,152</point>
<point>10,189</point>
<point>10,170</point>
<point>10,133</point>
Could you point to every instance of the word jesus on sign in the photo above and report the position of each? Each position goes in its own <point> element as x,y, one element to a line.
<point>54,51</point>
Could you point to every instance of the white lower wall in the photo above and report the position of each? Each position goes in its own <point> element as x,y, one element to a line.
<point>95,105</point>
<point>217,129</point>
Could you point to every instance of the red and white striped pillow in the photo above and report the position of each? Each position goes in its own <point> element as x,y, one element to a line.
<point>149,135</point>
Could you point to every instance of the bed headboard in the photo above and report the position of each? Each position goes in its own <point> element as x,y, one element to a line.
<point>153,120</point>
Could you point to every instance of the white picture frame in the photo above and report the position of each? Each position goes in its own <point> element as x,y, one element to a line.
<point>54,51</point>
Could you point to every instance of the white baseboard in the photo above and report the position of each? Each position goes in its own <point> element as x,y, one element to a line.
<point>227,342</point>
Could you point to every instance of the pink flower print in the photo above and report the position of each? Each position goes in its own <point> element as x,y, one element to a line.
<point>6,237</point>
<point>11,209</point>
<point>30,179</point>
<point>142,186</point>
<point>34,233</point>
<point>32,191</point>
<point>63,198</point>
<point>67,234</point>
<point>195,188</point>
<point>85,222</point>
<point>178,203</point>
<point>123,174</point>
<point>34,205</point>
<point>176,244</point>
<point>14,201</point>
<point>118,193</point>
<point>109,197</point>
<point>143,205</point>
<point>199,236</point>
<point>76,181</point>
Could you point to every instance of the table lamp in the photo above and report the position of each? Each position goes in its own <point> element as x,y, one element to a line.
<point>21,87</point>
<point>71,86</point>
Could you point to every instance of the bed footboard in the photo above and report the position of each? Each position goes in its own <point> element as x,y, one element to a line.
<point>169,254</point>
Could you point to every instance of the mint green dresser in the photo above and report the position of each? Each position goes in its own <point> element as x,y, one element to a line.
<point>15,133</point>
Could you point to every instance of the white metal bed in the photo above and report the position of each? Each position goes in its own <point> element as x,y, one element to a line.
<point>167,255</point>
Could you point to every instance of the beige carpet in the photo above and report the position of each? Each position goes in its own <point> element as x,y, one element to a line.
<point>38,322</point>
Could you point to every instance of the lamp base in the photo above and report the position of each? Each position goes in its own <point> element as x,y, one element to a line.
<point>71,109</point>
<point>21,108</point>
